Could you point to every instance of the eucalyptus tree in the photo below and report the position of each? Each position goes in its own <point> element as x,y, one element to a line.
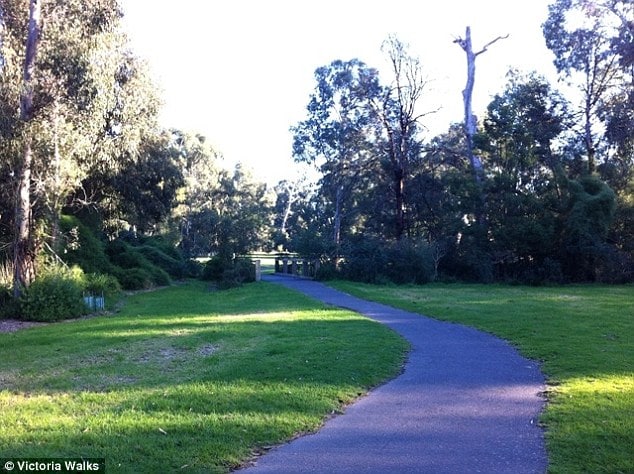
<point>527,186</point>
<point>291,194</point>
<point>592,42</point>
<point>201,170</point>
<point>401,115</point>
<point>470,121</point>
<point>77,111</point>
<point>145,190</point>
<point>340,134</point>
<point>24,251</point>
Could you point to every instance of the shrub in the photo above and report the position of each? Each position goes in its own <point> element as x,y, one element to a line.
<point>327,271</point>
<point>214,269</point>
<point>54,295</point>
<point>159,276</point>
<point>173,266</point>
<point>82,247</point>
<point>136,272</point>
<point>365,260</point>
<point>408,263</point>
<point>193,268</point>
<point>124,255</point>
<point>372,261</point>
<point>9,307</point>
<point>99,283</point>
<point>229,274</point>
<point>245,269</point>
<point>134,278</point>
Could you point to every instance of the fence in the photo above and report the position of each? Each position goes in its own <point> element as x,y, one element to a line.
<point>299,267</point>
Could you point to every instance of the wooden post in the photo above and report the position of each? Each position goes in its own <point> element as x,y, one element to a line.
<point>258,270</point>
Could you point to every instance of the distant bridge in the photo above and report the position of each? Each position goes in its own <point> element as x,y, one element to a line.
<point>297,266</point>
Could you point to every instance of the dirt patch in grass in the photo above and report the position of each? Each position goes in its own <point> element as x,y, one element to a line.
<point>12,325</point>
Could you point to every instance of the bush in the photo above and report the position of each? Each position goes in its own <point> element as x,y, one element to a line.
<point>98,283</point>
<point>214,269</point>
<point>372,261</point>
<point>364,260</point>
<point>245,269</point>
<point>82,247</point>
<point>327,271</point>
<point>54,295</point>
<point>135,271</point>
<point>173,266</point>
<point>134,278</point>
<point>159,276</point>
<point>193,268</point>
<point>9,307</point>
<point>229,274</point>
<point>408,263</point>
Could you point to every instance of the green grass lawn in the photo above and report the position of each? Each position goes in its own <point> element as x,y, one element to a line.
<point>186,379</point>
<point>584,338</point>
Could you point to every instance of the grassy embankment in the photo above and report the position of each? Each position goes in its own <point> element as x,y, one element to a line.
<point>186,380</point>
<point>584,338</point>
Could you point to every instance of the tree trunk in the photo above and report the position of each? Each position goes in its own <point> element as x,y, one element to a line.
<point>467,94</point>
<point>399,186</point>
<point>588,139</point>
<point>337,224</point>
<point>24,247</point>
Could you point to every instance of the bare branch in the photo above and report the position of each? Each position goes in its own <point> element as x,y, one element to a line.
<point>490,43</point>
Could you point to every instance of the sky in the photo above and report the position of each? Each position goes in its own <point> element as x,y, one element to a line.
<point>241,72</point>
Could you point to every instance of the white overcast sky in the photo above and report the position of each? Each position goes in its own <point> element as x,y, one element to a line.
<point>241,71</point>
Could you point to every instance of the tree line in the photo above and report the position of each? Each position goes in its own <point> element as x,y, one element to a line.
<point>538,189</point>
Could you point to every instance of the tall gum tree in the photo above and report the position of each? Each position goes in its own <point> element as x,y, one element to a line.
<point>590,41</point>
<point>84,105</point>
<point>338,134</point>
<point>401,117</point>
<point>23,252</point>
<point>470,121</point>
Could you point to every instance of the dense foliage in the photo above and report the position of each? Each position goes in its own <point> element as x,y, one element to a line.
<point>552,196</point>
<point>87,175</point>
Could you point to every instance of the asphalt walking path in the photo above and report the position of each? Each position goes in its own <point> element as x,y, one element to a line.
<point>466,402</point>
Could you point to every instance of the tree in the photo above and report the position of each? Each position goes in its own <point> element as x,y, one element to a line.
<point>74,90</point>
<point>401,116</point>
<point>470,121</point>
<point>340,130</point>
<point>199,164</point>
<point>526,182</point>
<point>24,252</point>
<point>587,39</point>
<point>146,188</point>
<point>290,194</point>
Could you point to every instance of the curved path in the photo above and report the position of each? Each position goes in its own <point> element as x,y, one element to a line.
<point>466,402</point>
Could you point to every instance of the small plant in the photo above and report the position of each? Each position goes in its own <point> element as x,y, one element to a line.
<point>100,289</point>
<point>98,283</point>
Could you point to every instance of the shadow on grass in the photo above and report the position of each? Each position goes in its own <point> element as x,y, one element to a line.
<point>185,377</point>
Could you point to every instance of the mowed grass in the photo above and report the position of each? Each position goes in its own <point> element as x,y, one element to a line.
<point>584,338</point>
<point>187,380</point>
